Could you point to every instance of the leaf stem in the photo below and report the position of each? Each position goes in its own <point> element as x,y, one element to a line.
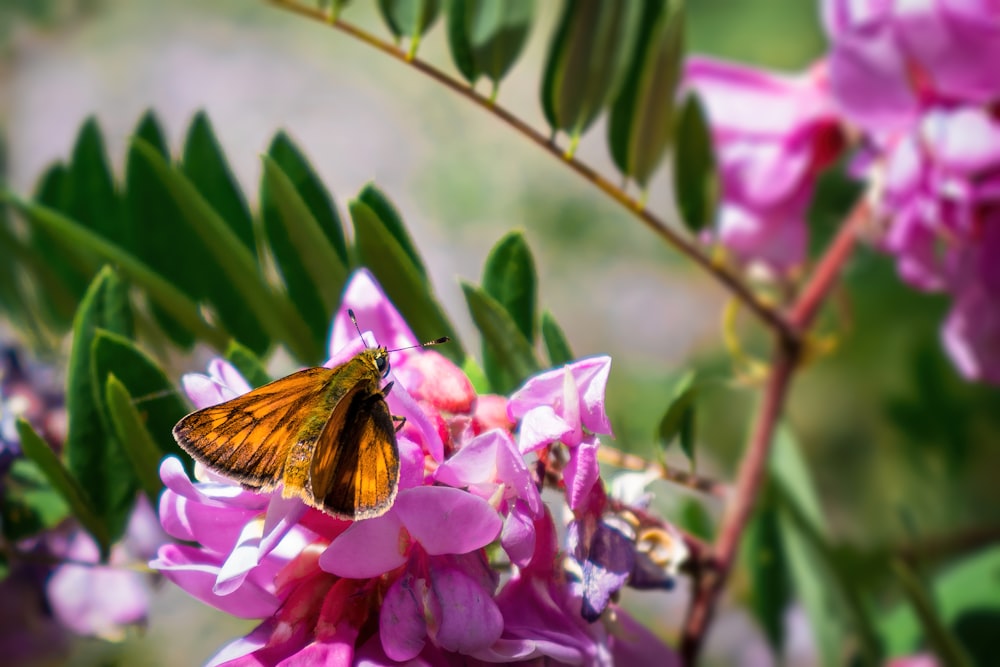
<point>732,282</point>
<point>621,459</point>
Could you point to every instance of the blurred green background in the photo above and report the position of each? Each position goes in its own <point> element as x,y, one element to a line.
<point>900,447</point>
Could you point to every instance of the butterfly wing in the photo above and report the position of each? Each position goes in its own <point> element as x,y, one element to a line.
<point>248,438</point>
<point>355,466</point>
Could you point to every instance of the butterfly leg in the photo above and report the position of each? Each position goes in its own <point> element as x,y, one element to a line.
<point>400,422</point>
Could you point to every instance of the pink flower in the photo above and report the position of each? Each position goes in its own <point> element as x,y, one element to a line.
<point>566,405</point>
<point>888,59</point>
<point>103,600</point>
<point>772,136</point>
<point>919,82</point>
<point>413,584</point>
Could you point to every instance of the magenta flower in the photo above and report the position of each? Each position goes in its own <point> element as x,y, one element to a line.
<point>566,405</point>
<point>772,136</point>
<point>415,583</point>
<point>920,84</point>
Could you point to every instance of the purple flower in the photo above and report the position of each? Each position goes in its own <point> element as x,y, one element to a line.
<point>566,405</point>
<point>887,60</point>
<point>103,600</point>
<point>772,135</point>
<point>920,85</point>
<point>415,583</point>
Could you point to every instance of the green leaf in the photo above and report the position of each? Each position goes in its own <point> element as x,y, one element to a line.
<point>37,450</point>
<point>409,18</point>
<point>696,520</point>
<point>93,200</point>
<point>314,272</point>
<point>205,165</point>
<point>156,399</point>
<point>73,269</point>
<point>389,218</point>
<point>587,61</point>
<point>378,249</point>
<point>153,217</point>
<point>939,636</point>
<point>247,363</point>
<point>273,311</point>
<point>206,168</point>
<point>90,449</point>
<point>763,556</point>
<point>508,345</point>
<point>556,345</point>
<point>641,126</point>
<point>509,277</point>
<point>696,179</point>
<point>966,597</point>
<point>30,503</point>
<point>678,419</point>
<point>161,291</point>
<point>487,36</point>
<point>135,439</point>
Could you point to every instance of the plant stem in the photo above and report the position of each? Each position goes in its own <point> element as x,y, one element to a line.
<point>733,283</point>
<point>748,483</point>
<point>691,480</point>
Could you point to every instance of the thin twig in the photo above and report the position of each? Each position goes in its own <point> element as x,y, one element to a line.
<point>690,480</point>
<point>748,483</point>
<point>770,316</point>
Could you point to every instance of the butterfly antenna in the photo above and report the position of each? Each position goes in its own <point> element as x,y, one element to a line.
<point>436,341</point>
<point>350,313</point>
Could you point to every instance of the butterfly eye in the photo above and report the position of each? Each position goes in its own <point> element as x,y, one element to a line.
<point>382,364</point>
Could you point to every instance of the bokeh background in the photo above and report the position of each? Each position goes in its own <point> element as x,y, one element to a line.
<point>901,448</point>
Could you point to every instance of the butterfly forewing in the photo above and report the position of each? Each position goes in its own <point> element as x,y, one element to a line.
<point>355,467</point>
<point>249,437</point>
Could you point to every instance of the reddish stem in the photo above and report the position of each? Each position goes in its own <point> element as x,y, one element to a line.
<point>748,483</point>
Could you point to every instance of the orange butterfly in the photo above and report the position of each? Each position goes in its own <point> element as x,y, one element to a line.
<point>326,434</point>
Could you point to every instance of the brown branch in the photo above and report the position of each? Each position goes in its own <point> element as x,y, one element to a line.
<point>730,281</point>
<point>737,515</point>
<point>828,269</point>
<point>690,480</point>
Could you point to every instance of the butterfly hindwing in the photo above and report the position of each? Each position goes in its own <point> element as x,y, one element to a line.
<point>355,466</point>
<point>248,438</point>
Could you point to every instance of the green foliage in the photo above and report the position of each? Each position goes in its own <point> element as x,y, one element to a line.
<point>641,126</point>
<point>487,36</point>
<point>587,62</point>
<point>39,453</point>
<point>30,503</point>
<point>382,245</point>
<point>247,363</point>
<point>556,345</point>
<point>696,179</point>
<point>409,18</point>
<point>678,420</point>
<point>505,342</point>
<point>137,443</point>
<point>509,278</point>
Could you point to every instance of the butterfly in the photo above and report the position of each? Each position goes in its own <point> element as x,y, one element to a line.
<point>325,434</point>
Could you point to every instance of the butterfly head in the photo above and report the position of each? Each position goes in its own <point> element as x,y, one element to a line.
<point>381,358</point>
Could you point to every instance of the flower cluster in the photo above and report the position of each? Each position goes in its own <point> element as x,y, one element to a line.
<point>42,603</point>
<point>915,85</point>
<point>465,567</point>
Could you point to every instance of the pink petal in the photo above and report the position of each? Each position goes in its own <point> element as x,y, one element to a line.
<point>972,334</point>
<point>418,425</point>
<point>411,463</point>
<point>374,313</point>
<point>243,648</point>
<point>474,463</point>
<point>518,535</point>
<point>195,572</point>
<point>513,472</point>
<point>591,377</point>
<point>226,374</point>
<point>446,520</point>
<point>541,427</point>
<point>466,617</point>
<point>212,494</point>
<point>215,528</point>
<point>430,376</point>
<point>382,540</point>
<point>401,621</point>
<point>581,472</point>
